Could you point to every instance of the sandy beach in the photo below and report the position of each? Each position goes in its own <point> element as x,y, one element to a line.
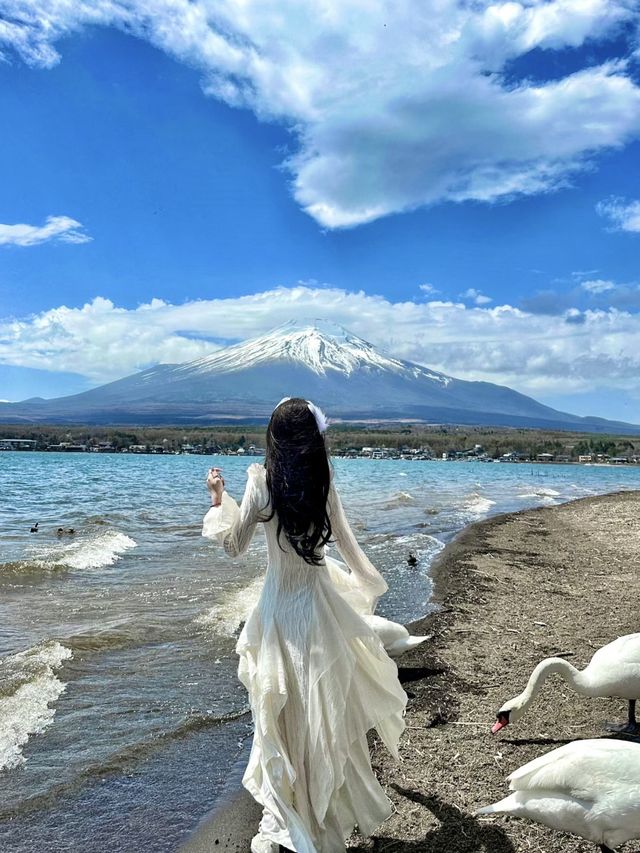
<point>512,590</point>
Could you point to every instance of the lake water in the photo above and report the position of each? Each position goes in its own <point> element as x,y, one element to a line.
<point>120,712</point>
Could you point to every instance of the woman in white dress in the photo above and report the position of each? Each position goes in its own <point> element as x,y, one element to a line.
<point>317,673</point>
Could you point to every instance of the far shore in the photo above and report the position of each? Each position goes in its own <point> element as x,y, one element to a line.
<point>252,453</point>
<point>510,590</point>
<point>399,440</point>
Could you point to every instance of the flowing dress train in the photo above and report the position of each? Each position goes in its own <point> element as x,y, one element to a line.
<point>318,680</point>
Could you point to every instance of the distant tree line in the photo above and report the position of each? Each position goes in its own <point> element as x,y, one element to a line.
<point>495,441</point>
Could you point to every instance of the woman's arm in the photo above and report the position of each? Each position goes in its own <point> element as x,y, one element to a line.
<point>369,578</point>
<point>232,525</point>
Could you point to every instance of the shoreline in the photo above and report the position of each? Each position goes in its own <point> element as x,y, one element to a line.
<point>510,590</point>
<point>338,454</point>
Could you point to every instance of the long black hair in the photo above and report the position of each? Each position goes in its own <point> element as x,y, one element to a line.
<point>298,478</point>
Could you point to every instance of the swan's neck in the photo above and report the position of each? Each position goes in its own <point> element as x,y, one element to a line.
<point>545,668</point>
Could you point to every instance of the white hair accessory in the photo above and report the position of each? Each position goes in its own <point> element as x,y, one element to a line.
<point>319,415</point>
<point>321,419</point>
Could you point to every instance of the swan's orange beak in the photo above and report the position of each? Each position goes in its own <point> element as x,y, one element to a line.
<point>500,723</point>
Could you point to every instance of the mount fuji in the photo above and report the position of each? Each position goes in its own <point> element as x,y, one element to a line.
<point>344,374</point>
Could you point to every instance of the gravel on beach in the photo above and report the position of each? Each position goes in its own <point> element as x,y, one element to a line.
<point>512,590</point>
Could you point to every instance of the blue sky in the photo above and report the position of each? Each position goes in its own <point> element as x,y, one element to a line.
<point>463,191</point>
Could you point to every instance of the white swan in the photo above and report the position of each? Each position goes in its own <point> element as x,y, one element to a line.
<point>395,637</point>
<point>588,787</point>
<point>613,672</point>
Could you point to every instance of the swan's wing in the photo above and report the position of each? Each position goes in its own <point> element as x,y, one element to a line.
<point>395,637</point>
<point>624,650</point>
<point>584,769</point>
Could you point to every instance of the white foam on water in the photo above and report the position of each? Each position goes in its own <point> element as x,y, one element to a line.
<point>399,499</point>
<point>26,711</point>
<point>426,551</point>
<point>86,552</point>
<point>420,540</point>
<point>546,495</point>
<point>478,504</point>
<point>393,553</point>
<point>233,608</point>
<point>102,550</point>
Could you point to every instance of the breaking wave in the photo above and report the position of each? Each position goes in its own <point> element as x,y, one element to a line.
<point>478,504</point>
<point>399,499</point>
<point>233,608</point>
<point>543,494</point>
<point>92,551</point>
<point>28,686</point>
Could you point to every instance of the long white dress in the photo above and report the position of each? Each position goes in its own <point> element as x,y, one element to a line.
<point>318,679</point>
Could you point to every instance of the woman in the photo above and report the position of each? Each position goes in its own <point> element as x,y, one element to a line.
<point>317,674</point>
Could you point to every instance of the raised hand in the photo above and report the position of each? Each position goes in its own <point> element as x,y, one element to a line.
<point>215,485</point>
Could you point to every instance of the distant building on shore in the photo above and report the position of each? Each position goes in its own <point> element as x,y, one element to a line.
<point>17,444</point>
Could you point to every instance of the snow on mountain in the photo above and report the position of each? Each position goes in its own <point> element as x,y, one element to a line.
<point>347,376</point>
<point>319,345</point>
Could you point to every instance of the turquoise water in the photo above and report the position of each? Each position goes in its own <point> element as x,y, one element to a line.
<point>120,712</point>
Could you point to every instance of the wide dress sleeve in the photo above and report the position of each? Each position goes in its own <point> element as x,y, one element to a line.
<point>362,585</point>
<point>232,525</point>
<point>370,583</point>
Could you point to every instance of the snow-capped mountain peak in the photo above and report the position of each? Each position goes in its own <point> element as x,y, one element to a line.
<point>346,376</point>
<point>319,345</point>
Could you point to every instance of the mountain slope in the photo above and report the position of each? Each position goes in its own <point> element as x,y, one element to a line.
<point>345,374</point>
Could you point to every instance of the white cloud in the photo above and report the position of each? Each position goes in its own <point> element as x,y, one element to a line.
<point>623,215</point>
<point>536,354</point>
<point>598,285</point>
<point>61,228</point>
<point>428,289</point>
<point>394,105</point>
<point>476,296</point>
<point>579,275</point>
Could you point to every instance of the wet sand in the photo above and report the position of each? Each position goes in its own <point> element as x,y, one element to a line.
<point>555,581</point>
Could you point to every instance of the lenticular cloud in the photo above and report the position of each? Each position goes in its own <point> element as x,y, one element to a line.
<point>394,106</point>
